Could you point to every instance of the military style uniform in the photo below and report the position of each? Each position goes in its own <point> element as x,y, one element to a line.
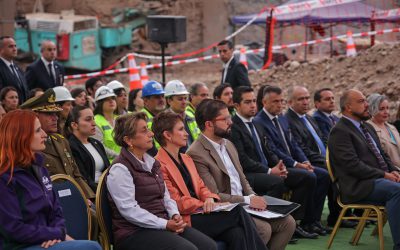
<point>58,156</point>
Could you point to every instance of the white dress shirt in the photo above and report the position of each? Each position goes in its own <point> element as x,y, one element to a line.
<point>122,190</point>
<point>226,66</point>
<point>236,186</point>
<point>46,64</point>
<point>9,63</point>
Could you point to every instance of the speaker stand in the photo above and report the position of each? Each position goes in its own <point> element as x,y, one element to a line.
<point>163,46</point>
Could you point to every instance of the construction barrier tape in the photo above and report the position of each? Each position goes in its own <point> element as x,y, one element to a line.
<point>205,58</point>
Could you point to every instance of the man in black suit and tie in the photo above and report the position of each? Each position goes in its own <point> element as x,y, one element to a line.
<point>11,74</point>
<point>45,72</point>
<point>324,101</point>
<point>364,172</point>
<point>234,72</point>
<point>309,180</point>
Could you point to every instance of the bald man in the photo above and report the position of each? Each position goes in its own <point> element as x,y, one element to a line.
<point>365,174</point>
<point>45,73</point>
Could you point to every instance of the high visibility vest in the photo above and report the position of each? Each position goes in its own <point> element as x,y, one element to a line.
<point>190,110</point>
<point>192,125</point>
<point>107,131</point>
<point>150,124</point>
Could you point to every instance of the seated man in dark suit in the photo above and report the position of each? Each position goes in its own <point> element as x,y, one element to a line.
<point>262,168</point>
<point>45,73</point>
<point>10,74</point>
<point>324,101</point>
<point>308,136</point>
<point>234,72</point>
<point>310,180</point>
<point>364,172</point>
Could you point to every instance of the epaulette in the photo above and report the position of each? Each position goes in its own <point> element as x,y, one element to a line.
<point>56,136</point>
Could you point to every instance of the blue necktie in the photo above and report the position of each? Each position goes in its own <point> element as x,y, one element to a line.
<point>374,148</point>
<point>310,128</point>
<point>257,144</point>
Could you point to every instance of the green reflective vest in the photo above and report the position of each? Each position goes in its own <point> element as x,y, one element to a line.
<point>150,116</point>
<point>192,125</point>
<point>107,131</point>
<point>190,110</point>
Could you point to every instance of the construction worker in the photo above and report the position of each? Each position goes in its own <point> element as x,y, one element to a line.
<point>177,99</point>
<point>122,97</point>
<point>198,92</point>
<point>154,103</point>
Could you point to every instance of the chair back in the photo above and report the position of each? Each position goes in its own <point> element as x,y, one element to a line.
<point>75,207</point>
<point>103,210</point>
<point>329,167</point>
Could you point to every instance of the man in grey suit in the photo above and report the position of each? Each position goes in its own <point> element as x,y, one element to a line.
<point>364,172</point>
<point>218,164</point>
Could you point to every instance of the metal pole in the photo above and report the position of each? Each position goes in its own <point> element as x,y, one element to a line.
<point>331,42</point>
<point>163,46</point>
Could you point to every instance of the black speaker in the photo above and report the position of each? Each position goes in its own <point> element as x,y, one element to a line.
<point>166,29</point>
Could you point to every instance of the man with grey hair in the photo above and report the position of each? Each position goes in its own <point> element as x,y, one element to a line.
<point>364,173</point>
<point>198,92</point>
<point>45,73</point>
<point>10,73</point>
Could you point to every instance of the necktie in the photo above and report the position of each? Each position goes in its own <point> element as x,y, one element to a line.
<point>51,74</point>
<point>332,120</point>
<point>314,134</point>
<point>257,144</point>
<point>281,137</point>
<point>15,74</point>
<point>374,148</point>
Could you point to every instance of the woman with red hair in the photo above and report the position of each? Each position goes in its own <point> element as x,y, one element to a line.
<point>30,215</point>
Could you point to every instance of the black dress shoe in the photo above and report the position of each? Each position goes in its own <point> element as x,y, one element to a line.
<point>348,224</point>
<point>327,229</point>
<point>312,228</point>
<point>300,233</point>
<point>293,241</point>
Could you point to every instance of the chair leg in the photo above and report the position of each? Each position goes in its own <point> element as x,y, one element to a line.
<point>375,231</point>
<point>380,229</point>
<point>336,227</point>
<point>360,227</point>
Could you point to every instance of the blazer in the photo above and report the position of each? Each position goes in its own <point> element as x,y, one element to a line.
<point>248,156</point>
<point>59,160</point>
<point>177,188</point>
<point>85,160</point>
<point>353,162</point>
<point>295,153</point>
<point>213,171</point>
<point>324,123</point>
<point>7,78</point>
<point>37,75</point>
<point>390,148</point>
<point>305,139</point>
<point>237,75</point>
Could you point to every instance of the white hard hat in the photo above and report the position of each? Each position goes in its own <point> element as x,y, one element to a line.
<point>62,94</point>
<point>175,87</point>
<point>114,85</point>
<point>102,93</point>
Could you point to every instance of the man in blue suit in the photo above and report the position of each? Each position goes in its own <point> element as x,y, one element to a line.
<point>45,73</point>
<point>324,101</point>
<point>10,73</point>
<point>287,149</point>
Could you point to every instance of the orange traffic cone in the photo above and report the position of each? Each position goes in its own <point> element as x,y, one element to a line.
<point>243,58</point>
<point>134,77</point>
<point>144,77</point>
<point>350,47</point>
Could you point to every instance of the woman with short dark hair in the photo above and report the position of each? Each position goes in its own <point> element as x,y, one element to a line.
<point>235,227</point>
<point>143,214</point>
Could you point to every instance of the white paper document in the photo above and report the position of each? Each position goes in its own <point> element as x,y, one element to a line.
<point>263,214</point>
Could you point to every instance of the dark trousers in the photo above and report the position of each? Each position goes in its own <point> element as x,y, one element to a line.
<point>235,228</point>
<point>309,190</point>
<point>154,239</point>
<point>266,184</point>
<point>387,193</point>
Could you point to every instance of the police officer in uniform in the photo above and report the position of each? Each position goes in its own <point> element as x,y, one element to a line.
<point>58,156</point>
